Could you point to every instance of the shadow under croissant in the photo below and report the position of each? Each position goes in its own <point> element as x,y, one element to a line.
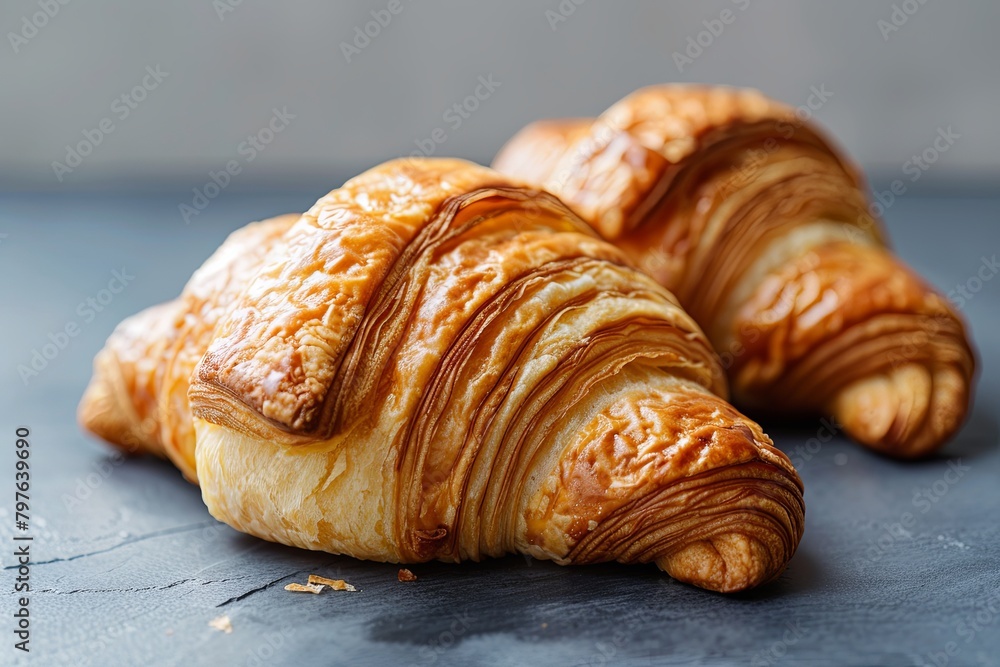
<point>979,436</point>
<point>543,601</point>
<point>228,544</point>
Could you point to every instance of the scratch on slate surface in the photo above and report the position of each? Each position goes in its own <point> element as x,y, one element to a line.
<point>139,538</point>
<point>164,587</point>
<point>230,557</point>
<point>243,596</point>
<point>116,590</point>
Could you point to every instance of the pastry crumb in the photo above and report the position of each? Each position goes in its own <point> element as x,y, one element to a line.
<point>406,575</point>
<point>222,624</point>
<point>304,588</point>
<point>335,584</point>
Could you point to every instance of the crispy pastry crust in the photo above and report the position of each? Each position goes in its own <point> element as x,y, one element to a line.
<point>762,230</point>
<point>441,364</point>
<point>436,362</point>
<point>137,397</point>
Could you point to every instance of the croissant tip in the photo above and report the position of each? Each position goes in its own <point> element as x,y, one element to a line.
<point>908,413</point>
<point>101,413</point>
<point>96,412</point>
<point>726,563</point>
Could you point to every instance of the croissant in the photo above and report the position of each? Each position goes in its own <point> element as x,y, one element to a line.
<point>435,362</point>
<point>763,231</point>
<point>137,397</point>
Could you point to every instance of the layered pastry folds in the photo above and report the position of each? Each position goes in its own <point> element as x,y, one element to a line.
<point>435,362</point>
<point>763,231</point>
<point>137,397</point>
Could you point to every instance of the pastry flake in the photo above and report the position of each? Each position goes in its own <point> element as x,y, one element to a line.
<point>334,584</point>
<point>222,624</point>
<point>304,588</point>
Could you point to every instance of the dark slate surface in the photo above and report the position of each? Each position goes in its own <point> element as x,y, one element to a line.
<point>129,567</point>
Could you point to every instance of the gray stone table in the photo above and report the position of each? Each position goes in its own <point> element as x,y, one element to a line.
<point>129,568</point>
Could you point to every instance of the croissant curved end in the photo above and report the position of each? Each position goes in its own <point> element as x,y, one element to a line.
<point>117,405</point>
<point>101,411</point>
<point>875,347</point>
<point>727,563</point>
<point>716,506</point>
<point>907,412</point>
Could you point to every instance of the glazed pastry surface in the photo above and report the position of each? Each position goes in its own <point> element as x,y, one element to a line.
<point>137,397</point>
<point>436,362</point>
<point>763,231</point>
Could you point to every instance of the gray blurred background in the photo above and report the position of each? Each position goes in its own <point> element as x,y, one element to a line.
<point>893,73</point>
<point>887,77</point>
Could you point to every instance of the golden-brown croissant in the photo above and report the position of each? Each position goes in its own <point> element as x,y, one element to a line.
<point>137,397</point>
<point>763,231</point>
<point>437,363</point>
<point>442,365</point>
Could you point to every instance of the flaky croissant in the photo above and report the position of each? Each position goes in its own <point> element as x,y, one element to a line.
<point>763,231</point>
<point>437,363</point>
<point>137,397</point>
